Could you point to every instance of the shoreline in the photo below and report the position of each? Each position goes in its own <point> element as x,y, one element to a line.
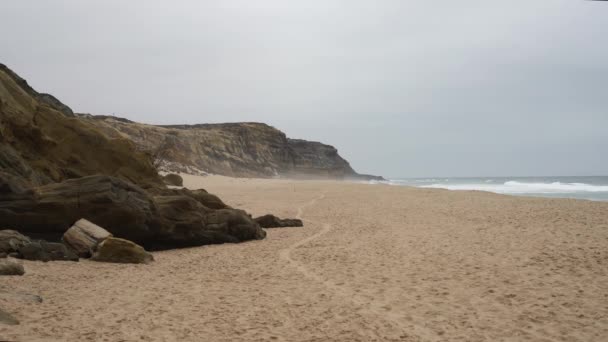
<point>591,188</point>
<point>371,263</point>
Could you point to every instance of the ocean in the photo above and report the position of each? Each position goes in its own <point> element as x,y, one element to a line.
<point>588,188</point>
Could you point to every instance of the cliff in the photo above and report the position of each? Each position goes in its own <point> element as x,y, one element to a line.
<point>56,168</point>
<point>41,141</point>
<point>233,149</point>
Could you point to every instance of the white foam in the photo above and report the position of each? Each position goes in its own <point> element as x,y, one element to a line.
<point>515,187</point>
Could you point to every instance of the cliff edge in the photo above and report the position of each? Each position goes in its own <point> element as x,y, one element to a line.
<point>246,149</point>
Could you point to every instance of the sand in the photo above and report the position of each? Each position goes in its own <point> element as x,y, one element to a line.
<point>373,263</point>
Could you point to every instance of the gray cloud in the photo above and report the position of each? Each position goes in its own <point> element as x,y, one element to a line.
<point>402,88</point>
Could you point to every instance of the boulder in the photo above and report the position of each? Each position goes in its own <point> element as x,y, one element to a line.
<point>121,251</point>
<point>47,251</point>
<point>11,267</point>
<point>173,179</point>
<point>174,218</point>
<point>6,318</point>
<point>271,221</point>
<point>42,141</point>
<point>193,224</point>
<point>11,241</point>
<point>110,202</point>
<point>84,236</point>
<point>232,225</point>
<point>208,200</point>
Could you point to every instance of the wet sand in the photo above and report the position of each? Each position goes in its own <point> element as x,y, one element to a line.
<point>373,263</point>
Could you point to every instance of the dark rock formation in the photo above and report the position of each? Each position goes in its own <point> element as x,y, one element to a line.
<point>11,267</point>
<point>47,251</point>
<point>45,99</point>
<point>233,149</point>
<point>11,241</point>
<point>53,208</point>
<point>173,179</point>
<point>121,251</point>
<point>84,236</point>
<point>41,143</point>
<point>190,223</point>
<point>232,225</point>
<point>176,218</point>
<point>208,200</point>
<point>271,221</point>
<point>56,168</point>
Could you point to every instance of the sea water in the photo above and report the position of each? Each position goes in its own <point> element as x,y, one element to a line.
<point>589,188</point>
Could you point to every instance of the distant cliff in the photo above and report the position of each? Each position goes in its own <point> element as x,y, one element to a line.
<point>58,145</point>
<point>233,149</point>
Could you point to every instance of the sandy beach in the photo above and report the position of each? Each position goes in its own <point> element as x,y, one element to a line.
<point>373,263</point>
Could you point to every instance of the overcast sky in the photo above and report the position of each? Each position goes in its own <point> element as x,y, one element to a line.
<point>401,88</point>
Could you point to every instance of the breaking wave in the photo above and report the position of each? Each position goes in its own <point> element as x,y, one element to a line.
<point>515,187</point>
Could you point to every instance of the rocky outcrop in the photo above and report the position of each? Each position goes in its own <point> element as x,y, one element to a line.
<point>11,241</point>
<point>40,143</point>
<point>56,169</point>
<point>173,179</point>
<point>175,218</point>
<point>121,251</point>
<point>46,251</point>
<point>317,160</point>
<point>84,236</point>
<point>271,221</point>
<point>245,149</point>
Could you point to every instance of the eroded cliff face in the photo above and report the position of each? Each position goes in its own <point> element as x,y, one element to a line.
<point>233,149</point>
<point>315,159</point>
<point>41,141</point>
<point>56,168</point>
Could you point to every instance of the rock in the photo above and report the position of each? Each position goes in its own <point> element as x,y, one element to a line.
<point>127,211</point>
<point>208,200</point>
<point>56,168</point>
<point>11,267</point>
<point>11,241</point>
<point>47,251</point>
<point>193,224</point>
<point>7,318</point>
<point>271,221</point>
<point>173,179</point>
<point>233,225</point>
<point>54,103</point>
<point>121,251</point>
<point>84,236</point>
<point>119,206</point>
<point>246,149</point>
<point>42,141</point>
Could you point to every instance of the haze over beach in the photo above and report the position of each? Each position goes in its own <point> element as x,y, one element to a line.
<point>303,171</point>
